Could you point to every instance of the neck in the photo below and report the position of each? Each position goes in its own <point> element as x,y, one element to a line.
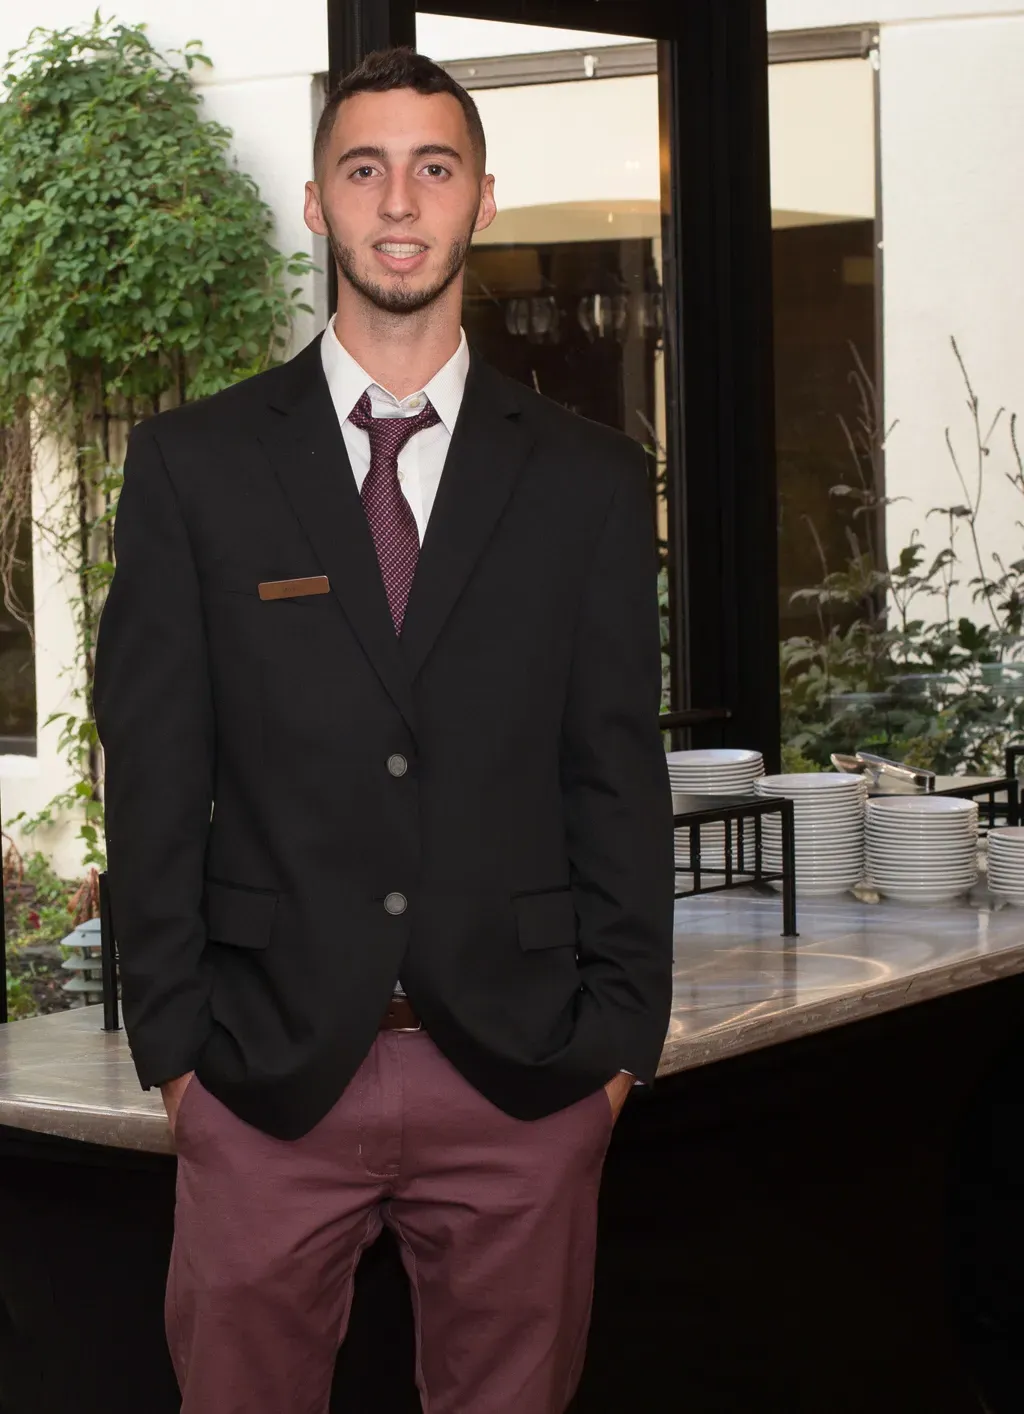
<point>401,352</point>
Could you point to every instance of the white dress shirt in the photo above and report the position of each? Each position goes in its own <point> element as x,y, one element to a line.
<point>421,460</point>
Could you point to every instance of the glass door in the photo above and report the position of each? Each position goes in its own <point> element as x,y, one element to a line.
<point>564,291</point>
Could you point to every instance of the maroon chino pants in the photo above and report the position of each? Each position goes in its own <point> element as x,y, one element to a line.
<point>495,1219</point>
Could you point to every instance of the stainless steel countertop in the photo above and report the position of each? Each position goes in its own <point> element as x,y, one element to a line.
<point>739,987</point>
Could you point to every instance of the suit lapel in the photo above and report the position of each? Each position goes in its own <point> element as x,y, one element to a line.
<point>307,453</point>
<point>308,456</point>
<point>488,448</point>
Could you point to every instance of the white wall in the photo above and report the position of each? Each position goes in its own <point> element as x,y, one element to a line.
<point>819,14</point>
<point>29,783</point>
<point>953,203</point>
<point>445,37</point>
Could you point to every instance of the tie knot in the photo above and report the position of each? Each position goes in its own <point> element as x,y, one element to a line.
<point>390,434</point>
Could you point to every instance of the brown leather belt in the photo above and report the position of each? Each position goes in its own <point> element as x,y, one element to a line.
<point>400,1016</point>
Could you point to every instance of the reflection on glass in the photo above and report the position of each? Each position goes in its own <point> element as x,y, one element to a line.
<point>563,290</point>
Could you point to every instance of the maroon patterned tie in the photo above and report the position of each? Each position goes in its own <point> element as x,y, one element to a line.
<point>392,523</point>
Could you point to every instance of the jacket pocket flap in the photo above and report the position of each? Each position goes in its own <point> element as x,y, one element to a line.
<point>241,917</point>
<point>546,920</point>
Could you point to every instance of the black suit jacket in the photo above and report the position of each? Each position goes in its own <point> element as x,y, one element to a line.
<point>254,825</point>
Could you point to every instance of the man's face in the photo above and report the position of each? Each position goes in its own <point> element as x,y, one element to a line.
<point>399,196</point>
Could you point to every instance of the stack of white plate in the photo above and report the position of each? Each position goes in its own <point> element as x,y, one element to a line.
<point>1006,863</point>
<point>717,771</point>
<point>828,824</point>
<point>922,848</point>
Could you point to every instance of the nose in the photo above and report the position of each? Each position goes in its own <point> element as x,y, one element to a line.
<point>397,199</point>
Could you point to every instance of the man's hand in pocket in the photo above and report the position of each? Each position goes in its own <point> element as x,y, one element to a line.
<point>617,1090</point>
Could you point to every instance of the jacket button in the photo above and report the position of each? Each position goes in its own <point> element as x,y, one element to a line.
<point>396,903</point>
<point>397,764</point>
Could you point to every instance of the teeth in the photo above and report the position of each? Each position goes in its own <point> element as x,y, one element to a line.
<point>393,248</point>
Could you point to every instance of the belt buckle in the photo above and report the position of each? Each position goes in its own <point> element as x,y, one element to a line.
<point>404,1002</point>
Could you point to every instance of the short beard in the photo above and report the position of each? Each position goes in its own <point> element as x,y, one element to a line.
<point>396,300</point>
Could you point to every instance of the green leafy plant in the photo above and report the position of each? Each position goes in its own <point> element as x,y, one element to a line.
<point>140,272</point>
<point>904,675</point>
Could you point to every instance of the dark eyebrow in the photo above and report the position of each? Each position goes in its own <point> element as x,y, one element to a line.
<point>426,149</point>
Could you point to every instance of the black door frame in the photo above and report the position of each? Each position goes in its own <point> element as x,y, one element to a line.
<point>713,72</point>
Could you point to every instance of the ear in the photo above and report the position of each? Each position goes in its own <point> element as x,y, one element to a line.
<point>487,210</point>
<point>313,210</point>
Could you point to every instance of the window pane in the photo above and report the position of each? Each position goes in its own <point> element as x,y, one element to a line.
<point>902,490</point>
<point>563,290</point>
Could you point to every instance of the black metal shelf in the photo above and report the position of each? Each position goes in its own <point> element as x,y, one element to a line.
<point>739,810</point>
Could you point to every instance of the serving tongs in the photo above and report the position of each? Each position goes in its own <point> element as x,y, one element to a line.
<point>882,772</point>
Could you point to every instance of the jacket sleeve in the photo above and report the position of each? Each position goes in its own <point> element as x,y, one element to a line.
<point>154,715</point>
<point>615,787</point>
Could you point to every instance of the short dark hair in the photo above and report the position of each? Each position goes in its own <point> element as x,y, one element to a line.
<point>400,67</point>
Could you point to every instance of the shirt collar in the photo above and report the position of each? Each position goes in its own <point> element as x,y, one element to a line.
<point>348,382</point>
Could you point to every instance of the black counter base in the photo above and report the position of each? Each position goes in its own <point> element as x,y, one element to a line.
<point>833,1224</point>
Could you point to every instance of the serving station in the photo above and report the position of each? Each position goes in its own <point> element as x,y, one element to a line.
<point>775,1207</point>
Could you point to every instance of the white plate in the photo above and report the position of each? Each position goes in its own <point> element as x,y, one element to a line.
<point>818,806</point>
<point>814,781</point>
<point>904,850</point>
<point>969,845</point>
<point>921,806</point>
<point>744,773</point>
<point>937,897</point>
<point>929,866</point>
<point>922,895</point>
<point>691,770</point>
<point>904,846</point>
<point>839,849</point>
<point>819,869</point>
<point>811,849</point>
<point>966,845</point>
<point>1010,835</point>
<point>909,869</point>
<point>805,889</point>
<point>714,756</point>
<point>922,878</point>
<point>711,787</point>
<point>816,819</point>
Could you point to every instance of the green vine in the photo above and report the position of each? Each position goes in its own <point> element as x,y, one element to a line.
<point>141,273</point>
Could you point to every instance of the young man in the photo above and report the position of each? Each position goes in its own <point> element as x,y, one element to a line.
<point>388,820</point>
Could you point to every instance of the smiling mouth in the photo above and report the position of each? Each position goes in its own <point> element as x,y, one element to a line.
<point>400,250</point>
